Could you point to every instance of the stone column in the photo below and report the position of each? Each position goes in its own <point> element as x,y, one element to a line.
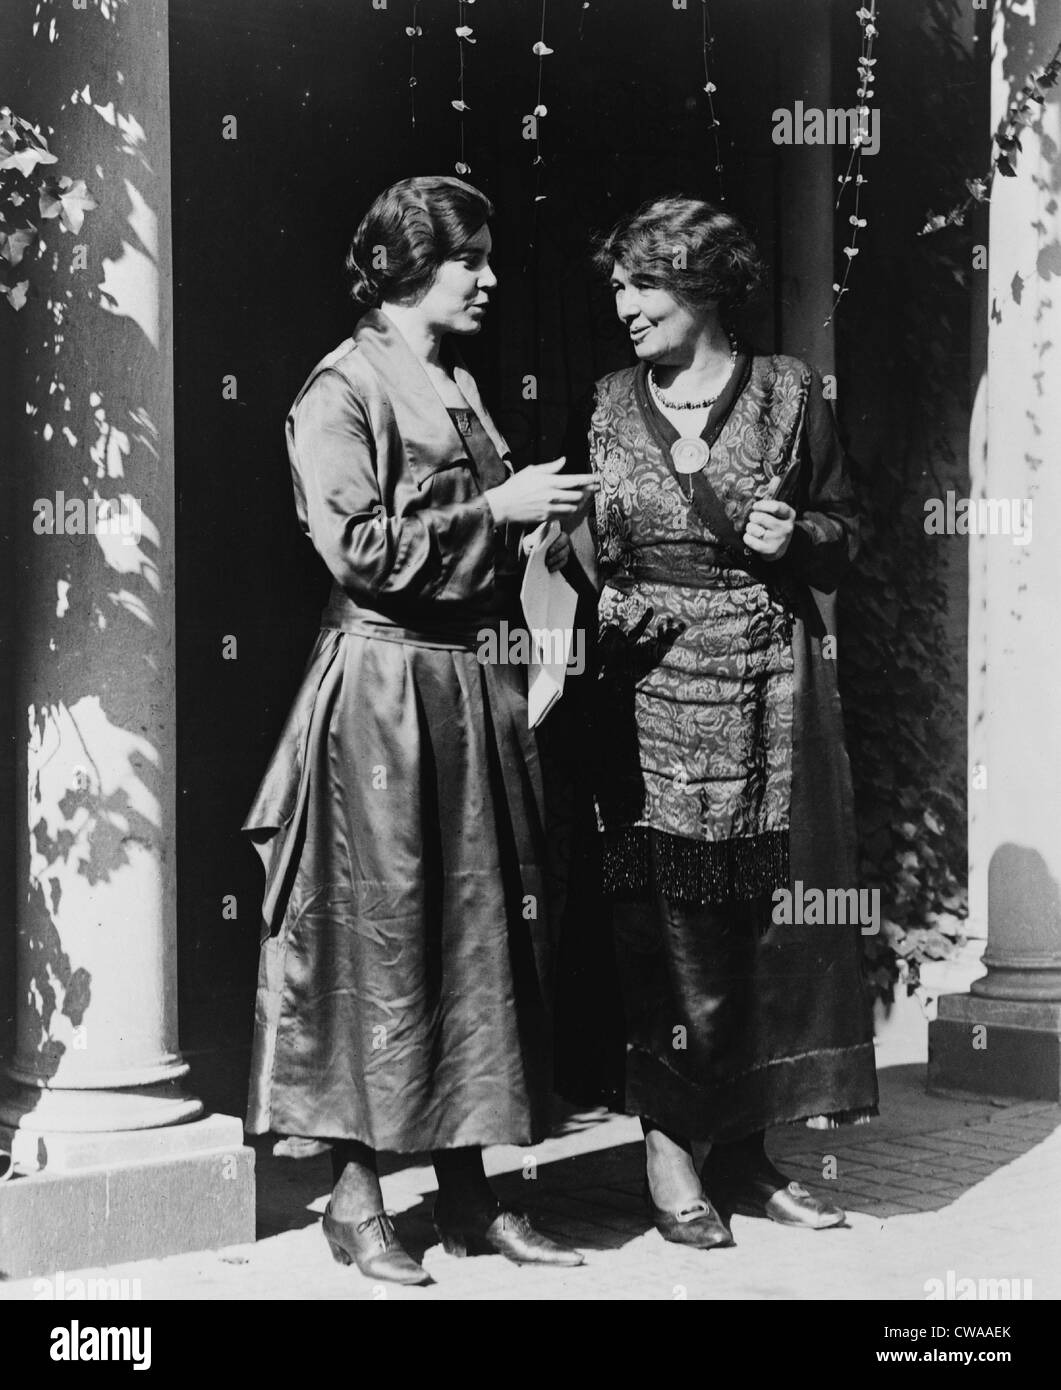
<point>1004,1036</point>
<point>95,1112</point>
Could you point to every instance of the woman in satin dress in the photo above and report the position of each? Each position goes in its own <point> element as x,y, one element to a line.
<point>724,521</point>
<point>402,999</point>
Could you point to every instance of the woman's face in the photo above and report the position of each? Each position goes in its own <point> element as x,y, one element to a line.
<point>661,328</point>
<point>460,291</point>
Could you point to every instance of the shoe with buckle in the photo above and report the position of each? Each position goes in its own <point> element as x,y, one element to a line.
<point>695,1223</point>
<point>789,1205</point>
<point>372,1245</point>
<point>499,1230</point>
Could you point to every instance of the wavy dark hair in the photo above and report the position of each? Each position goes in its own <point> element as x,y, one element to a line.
<point>690,248</point>
<point>407,233</point>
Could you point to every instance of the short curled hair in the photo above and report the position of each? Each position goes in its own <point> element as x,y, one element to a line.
<point>407,233</point>
<point>690,248</point>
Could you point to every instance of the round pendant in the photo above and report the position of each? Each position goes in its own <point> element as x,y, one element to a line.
<point>690,455</point>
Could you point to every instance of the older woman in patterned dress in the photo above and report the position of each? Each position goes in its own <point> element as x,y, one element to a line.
<point>724,521</point>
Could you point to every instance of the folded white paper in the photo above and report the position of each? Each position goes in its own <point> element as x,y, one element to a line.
<point>549,604</point>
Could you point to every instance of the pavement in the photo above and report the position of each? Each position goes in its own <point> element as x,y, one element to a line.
<point>935,1189</point>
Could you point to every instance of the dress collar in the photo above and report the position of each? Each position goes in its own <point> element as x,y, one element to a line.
<point>428,435</point>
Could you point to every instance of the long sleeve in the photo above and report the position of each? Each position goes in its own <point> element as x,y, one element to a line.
<point>380,547</point>
<point>826,536</point>
<point>581,570</point>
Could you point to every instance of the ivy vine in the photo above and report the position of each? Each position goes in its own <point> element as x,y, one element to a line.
<point>31,192</point>
<point>903,689</point>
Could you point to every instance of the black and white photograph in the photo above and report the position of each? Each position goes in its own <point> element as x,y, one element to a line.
<point>529,665</point>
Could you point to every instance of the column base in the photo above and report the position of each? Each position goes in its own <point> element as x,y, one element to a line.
<point>48,1110</point>
<point>1006,1048</point>
<point>139,1195</point>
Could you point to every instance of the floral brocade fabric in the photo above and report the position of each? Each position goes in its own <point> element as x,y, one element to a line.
<point>695,721</point>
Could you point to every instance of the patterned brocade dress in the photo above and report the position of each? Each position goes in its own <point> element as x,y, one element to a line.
<point>721,774</point>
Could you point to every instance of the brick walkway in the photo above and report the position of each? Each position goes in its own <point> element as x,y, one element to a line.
<point>933,1186</point>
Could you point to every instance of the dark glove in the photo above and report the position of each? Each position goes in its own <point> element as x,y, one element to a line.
<point>630,655</point>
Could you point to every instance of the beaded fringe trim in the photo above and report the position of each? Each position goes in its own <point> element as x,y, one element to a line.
<point>693,871</point>
<point>859,1116</point>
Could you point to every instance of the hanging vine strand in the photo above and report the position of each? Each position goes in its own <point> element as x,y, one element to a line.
<point>867,17</point>
<point>465,35</point>
<point>542,51</point>
<point>708,44</point>
<point>414,32</point>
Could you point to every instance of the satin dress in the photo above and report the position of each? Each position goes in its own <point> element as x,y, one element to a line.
<point>401,998</point>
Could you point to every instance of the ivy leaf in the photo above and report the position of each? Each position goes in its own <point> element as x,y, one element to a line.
<point>16,294</point>
<point>933,224</point>
<point>13,245</point>
<point>25,161</point>
<point>69,201</point>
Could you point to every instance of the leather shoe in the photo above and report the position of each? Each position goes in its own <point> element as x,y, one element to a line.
<point>502,1231</point>
<point>791,1205</point>
<point>697,1224</point>
<point>372,1245</point>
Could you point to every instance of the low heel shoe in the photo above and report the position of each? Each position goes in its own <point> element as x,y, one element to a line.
<point>500,1231</point>
<point>791,1205</point>
<point>697,1224</point>
<point>373,1246</point>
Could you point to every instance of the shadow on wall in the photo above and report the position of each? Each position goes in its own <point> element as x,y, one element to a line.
<point>1027,47</point>
<point>1022,892</point>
